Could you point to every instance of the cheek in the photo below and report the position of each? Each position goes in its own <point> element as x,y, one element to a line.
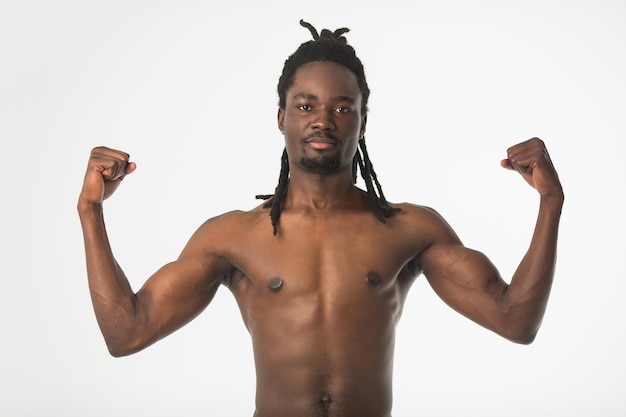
<point>294,125</point>
<point>290,132</point>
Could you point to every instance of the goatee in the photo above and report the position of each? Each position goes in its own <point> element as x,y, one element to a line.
<point>321,164</point>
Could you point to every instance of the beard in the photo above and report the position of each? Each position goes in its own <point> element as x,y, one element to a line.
<point>321,164</point>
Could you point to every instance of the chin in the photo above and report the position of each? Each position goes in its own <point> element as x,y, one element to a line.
<point>323,164</point>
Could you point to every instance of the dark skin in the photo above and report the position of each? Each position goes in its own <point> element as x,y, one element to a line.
<point>321,300</point>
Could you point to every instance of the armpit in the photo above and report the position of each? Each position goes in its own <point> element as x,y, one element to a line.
<point>231,278</point>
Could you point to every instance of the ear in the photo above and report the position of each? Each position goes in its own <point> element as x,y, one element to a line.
<point>363,124</point>
<point>281,120</point>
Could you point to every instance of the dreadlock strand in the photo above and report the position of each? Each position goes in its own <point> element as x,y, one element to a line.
<point>337,34</point>
<point>275,200</point>
<point>381,206</point>
<point>372,198</point>
<point>310,27</point>
<point>372,173</point>
<point>281,191</point>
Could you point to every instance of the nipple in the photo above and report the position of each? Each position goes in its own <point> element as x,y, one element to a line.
<point>373,279</point>
<point>275,284</point>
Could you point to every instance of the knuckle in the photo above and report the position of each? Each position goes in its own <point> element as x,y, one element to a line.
<point>537,141</point>
<point>100,149</point>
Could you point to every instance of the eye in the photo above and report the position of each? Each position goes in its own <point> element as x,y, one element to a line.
<point>304,107</point>
<point>342,109</point>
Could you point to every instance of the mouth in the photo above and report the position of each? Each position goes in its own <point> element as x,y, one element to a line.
<point>321,142</point>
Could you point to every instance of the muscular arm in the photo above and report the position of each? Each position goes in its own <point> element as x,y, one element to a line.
<point>469,283</point>
<point>169,299</point>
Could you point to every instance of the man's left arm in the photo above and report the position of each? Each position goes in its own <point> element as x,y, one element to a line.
<point>468,282</point>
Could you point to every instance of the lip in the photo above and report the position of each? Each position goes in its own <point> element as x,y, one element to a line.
<point>319,142</point>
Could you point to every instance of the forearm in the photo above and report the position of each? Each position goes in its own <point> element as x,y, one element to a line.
<point>113,300</point>
<point>527,295</point>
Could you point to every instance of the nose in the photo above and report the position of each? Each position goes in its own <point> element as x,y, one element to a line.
<point>323,121</point>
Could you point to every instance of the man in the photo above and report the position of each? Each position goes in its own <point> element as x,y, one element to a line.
<point>321,270</point>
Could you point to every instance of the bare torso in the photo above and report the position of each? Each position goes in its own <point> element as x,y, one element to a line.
<point>321,299</point>
<point>321,302</point>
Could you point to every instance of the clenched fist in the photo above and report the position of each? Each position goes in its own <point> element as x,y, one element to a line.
<point>105,171</point>
<point>531,160</point>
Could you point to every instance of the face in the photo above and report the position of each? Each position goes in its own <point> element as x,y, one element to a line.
<point>322,120</point>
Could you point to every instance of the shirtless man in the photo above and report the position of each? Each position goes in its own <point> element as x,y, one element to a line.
<point>321,296</point>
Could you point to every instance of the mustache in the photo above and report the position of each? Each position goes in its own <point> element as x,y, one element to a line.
<point>325,136</point>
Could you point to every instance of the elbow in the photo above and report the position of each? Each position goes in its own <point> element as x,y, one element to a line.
<point>118,352</point>
<point>124,338</point>
<point>519,324</point>
<point>120,348</point>
<point>522,335</point>
<point>525,338</point>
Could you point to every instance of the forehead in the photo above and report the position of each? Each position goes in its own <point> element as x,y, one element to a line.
<point>325,78</point>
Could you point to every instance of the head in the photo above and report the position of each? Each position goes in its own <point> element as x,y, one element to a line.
<point>329,47</point>
<point>325,47</point>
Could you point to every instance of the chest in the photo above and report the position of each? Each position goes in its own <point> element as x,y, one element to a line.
<point>338,254</point>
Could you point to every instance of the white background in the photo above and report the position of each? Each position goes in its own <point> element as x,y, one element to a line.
<point>188,89</point>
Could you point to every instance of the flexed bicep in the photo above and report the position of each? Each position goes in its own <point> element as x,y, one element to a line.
<point>173,296</point>
<point>467,281</point>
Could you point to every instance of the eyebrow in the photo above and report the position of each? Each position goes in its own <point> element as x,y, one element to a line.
<point>314,97</point>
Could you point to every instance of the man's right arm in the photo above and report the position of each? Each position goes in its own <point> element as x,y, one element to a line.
<point>173,296</point>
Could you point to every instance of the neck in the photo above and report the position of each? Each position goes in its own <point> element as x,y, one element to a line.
<point>320,191</point>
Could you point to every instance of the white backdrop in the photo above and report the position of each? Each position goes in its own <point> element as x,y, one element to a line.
<point>188,89</point>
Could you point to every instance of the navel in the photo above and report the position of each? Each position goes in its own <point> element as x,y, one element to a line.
<point>373,279</point>
<point>324,403</point>
<point>275,284</point>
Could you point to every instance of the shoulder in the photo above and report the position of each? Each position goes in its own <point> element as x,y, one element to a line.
<point>234,221</point>
<point>219,240</point>
<point>420,216</point>
<point>424,224</point>
<point>414,209</point>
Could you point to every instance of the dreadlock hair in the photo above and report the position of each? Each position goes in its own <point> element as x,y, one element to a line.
<point>328,46</point>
